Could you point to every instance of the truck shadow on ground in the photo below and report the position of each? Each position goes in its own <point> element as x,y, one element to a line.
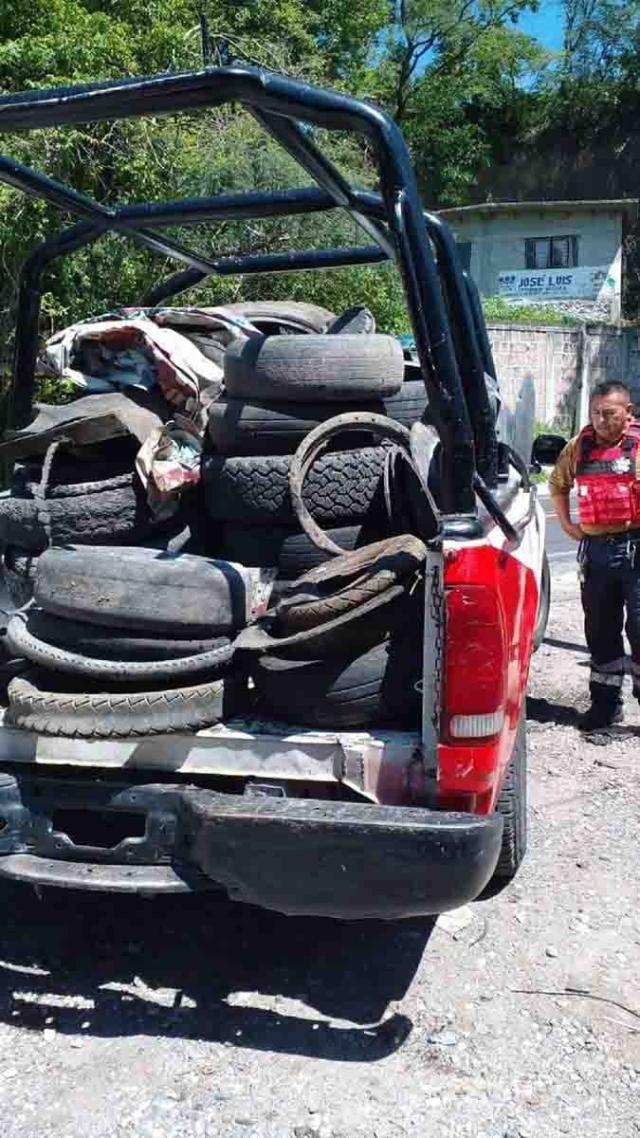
<point>546,711</point>
<point>201,967</point>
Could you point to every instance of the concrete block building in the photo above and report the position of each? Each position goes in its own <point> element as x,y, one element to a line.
<point>564,253</point>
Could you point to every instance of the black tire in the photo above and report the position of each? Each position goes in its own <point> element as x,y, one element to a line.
<point>24,643</point>
<point>343,486</point>
<point>271,315</point>
<point>512,805</point>
<point>114,643</point>
<point>347,582</point>
<point>238,427</point>
<point>142,589</point>
<point>307,369</point>
<point>376,687</point>
<point>99,463</point>
<point>304,466</point>
<point>93,516</point>
<point>356,321</point>
<point>409,405</point>
<point>34,706</point>
<point>19,568</point>
<point>397,611</point>
<point>544,604</point>
<point>25,486</point>
<point>287,549</point>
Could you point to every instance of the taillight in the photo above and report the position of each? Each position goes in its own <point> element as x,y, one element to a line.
<point>476,726</point>
<point>475,664</point>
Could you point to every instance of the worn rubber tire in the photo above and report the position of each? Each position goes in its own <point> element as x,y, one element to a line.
<point>91,516</point>
<point>512,805</point>
<point>141,589</point>
<point>356,321</point>
<point>544,604</point>
<point>347,582</point>
<point>24,643</point>
<point>24,486</point>
<point>33,706</point>
<point>308,455</point>
<point>342,487</point>
<point>19,566</point>
<point>286,548</point>
<point>293,314</point>
<point>239,427</point>
<point>114,643</point>
<point>101,463</point>
<point>309,369</point>
<point>397,610</point>
<point>376,687</point>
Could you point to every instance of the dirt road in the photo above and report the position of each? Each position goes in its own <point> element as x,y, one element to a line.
<point>194,1017</point>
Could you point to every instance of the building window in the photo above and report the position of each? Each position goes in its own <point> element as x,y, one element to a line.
<point>464,253</point>
<point>551,252</point>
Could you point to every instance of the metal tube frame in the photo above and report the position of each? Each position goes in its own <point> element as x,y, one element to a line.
<point>438,298</point>
<point>30,291</point>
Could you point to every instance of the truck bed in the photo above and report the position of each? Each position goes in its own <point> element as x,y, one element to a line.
<point>376,765</point>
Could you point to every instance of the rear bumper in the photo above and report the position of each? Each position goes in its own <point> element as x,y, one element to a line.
<point>293,855</point>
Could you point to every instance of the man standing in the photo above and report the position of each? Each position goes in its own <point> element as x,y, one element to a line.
<point>603,462</point>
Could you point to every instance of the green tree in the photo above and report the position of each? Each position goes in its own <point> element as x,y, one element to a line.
<point>67,41</point>
<point>448,73</point>
<point>451,72</point>
<point>436,38</point>
<point>601,40</point>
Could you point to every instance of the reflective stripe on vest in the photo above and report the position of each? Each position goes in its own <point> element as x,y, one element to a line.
<point>608,489</point>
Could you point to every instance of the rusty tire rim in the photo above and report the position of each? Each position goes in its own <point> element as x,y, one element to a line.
<point>312,447</point>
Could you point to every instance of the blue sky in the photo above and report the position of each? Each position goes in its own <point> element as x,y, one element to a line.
<point>545,24</point>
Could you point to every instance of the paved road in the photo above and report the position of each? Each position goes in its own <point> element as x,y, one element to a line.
<point>561,550</point>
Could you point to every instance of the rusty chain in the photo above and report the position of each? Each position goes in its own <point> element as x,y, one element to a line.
<point>436,603</point>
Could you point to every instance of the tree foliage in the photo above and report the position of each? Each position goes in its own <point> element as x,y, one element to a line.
<point>55,42</point>
<point>483,107</point>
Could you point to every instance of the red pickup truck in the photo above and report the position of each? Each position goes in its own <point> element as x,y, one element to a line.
<point>385,777</point>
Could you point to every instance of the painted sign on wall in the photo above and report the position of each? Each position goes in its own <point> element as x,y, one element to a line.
<point>556,284</point>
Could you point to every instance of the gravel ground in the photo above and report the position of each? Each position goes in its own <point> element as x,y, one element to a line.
<point>514,1018</point>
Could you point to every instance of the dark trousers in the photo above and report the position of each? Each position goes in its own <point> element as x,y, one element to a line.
<point>610,589</point>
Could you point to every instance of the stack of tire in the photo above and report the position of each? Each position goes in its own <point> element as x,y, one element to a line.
<point>344,648</point>
<point>316,669</point>
<point>89,495</point>
<point>127,641</point>
<point>276,391</point>
<point>122,641</point>
<point>92,495</point>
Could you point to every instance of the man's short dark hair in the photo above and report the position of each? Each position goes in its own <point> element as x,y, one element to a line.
<point>610,387</point>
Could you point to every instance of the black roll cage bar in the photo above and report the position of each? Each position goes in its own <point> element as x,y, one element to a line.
<point>443,304</point>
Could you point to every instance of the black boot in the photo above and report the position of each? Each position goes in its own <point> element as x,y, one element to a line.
<point>600,716</point>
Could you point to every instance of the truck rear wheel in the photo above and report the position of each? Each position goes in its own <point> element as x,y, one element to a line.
<point>512,805</point>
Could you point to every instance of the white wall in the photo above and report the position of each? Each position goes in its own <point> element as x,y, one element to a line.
<point>498,241</point>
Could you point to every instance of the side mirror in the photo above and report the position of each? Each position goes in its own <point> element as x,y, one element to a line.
<point>546,449</point>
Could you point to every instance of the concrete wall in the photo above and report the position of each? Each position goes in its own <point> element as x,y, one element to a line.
<point>498,241</point>
<point>565,365</point>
